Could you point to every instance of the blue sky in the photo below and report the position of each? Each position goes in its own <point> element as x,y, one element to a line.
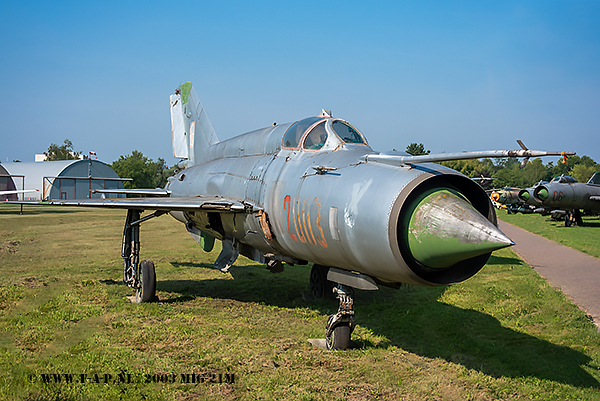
<point>461,75</point>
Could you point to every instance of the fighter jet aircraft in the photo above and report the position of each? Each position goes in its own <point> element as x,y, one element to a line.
<point>506,198</point>
<point>526,194</point>
<point>313,191</point>
<point>485,182</point>
<point>564,198</point>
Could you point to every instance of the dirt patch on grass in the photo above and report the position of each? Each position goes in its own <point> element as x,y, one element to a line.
<point>10,246</point>
<point>33,282</point>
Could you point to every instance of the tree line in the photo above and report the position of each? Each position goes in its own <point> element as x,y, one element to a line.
<point>508,172</point>
<point>147,173</point>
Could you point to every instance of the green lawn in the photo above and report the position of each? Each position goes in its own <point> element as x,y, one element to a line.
<point>585,239</point>
<point>503,334</point>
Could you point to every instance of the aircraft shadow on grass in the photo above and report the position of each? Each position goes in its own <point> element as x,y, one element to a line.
<point>410,318</point>
<point>587,222</point>
<point>501,260</point>
<point>34,211</point>
<point>591,224</point>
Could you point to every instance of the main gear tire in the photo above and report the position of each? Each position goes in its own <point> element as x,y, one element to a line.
<point>147,290</point>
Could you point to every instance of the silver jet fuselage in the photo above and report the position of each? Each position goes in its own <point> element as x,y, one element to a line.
<point>327,206</point>
<point>566,193</point>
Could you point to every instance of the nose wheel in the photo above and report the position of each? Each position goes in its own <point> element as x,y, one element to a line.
<point>341,324</point>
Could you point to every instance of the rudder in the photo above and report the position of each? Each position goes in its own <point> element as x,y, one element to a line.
<point>595,179</point>
<point>190,126</point>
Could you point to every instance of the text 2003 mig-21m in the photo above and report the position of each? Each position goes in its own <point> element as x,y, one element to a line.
<point>314,191</point>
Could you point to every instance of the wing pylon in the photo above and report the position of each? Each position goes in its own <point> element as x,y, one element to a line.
<point>408,161</point>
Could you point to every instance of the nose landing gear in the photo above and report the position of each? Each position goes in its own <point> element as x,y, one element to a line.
<point>340,325</point>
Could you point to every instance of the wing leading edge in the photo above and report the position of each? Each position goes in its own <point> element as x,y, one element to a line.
<point>193,203</point>
<point>141,192</point>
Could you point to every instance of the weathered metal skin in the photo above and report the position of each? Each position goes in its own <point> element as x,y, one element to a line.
<point>526,195</point>
<point>568,196</point>
<point>328,206</point>
<point>506,196</point>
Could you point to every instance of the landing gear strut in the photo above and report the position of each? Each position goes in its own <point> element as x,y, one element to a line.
<point>139,276</point>
<point>341,324</point>
<point>573,218</point>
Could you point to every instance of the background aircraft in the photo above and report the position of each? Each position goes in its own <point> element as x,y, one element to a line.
<point>485,182</point>
<point>526,194</point>
<point>506,197</point>
<point>564,197</point>
<point>314,191</point>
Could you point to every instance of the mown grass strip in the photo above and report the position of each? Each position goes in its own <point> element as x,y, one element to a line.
<point>585,239</point>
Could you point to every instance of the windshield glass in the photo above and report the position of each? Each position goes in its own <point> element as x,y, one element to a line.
<point>564,179</point>
<point>317,137</point>
<point>294,134</point>
<point>347,133</point>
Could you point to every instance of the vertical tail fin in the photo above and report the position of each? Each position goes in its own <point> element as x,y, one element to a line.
<point>192,130</point>
<point>595,179</point>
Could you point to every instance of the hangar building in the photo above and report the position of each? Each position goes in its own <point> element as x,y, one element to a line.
<point>7,184</point>
<point>62,179</point>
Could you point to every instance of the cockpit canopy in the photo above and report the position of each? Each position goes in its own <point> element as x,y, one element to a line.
<point>564,179</point>
<point>312,133</point>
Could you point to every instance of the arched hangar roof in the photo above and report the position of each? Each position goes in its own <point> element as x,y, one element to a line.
<point>43,175</point>
<point>7,184</point>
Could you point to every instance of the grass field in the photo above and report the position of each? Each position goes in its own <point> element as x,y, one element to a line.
<point>585,239</point>
<point>503,334</point>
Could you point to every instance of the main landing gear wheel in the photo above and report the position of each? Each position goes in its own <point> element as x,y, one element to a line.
<point>320,287</point>
<point>568,220</point>
<point>140,276</point>
<point>147,289</point>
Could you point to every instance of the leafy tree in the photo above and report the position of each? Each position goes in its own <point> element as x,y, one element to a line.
<point>571,164</point>
<point>417,149</point>
<point>509,176</point>
<point>165,173</point>
<point>471,167</point>
<point>588,161</point>
<point>507,171</point>
<point>563,167</point>
<point>533,172</point>
<point>145,172</point>
<point>63,152</point>
<point>583,173</point>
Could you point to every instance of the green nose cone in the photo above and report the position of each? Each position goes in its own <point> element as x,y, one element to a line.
<point>525,195</point>
<point>542,194</point>
<point>444,229</point>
